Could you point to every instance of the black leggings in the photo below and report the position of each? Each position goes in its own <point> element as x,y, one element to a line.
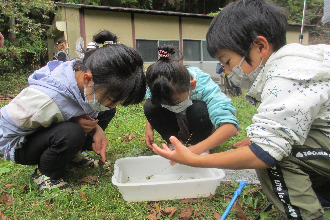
<point>165,122</point>
<point>53,147</point>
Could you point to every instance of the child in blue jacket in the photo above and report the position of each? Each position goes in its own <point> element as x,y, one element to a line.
<point>67,107</point>
<point>187,104</point>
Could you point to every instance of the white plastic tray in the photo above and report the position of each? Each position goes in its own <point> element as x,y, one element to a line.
<point>152,178</point>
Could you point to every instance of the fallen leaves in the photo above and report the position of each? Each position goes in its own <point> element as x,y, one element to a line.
<point>88,179</point>
<point>238,208</point>
<point>2,216</point>
<point>186,213</point>
<point>129,137</point>
<point>6,198</point>
<point>84,182</point>
<point>83,196</point>
<point>189,200</point>
<point>170,210</point>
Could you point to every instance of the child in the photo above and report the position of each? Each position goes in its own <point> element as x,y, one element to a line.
<point>187,104</point>
<point>288,141</point>
<point>50,122</point>
<point>61,55</point>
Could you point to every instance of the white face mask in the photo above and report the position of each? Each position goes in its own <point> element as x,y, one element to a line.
<point>95,104</point>
<point>179,107</point>
<point>238,78</point>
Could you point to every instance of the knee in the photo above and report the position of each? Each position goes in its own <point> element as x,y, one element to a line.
<point>150,109</point>
<point>71,133</point>
<point>198,109</point>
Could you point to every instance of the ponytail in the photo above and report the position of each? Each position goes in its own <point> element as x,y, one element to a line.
<point>166,77</point>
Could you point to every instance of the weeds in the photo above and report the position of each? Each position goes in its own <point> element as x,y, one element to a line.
<point>100,199</point>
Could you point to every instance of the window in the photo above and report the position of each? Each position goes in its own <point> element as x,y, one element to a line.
<point>206,55</point>
<point>192,50</point>
<point>148,48</point>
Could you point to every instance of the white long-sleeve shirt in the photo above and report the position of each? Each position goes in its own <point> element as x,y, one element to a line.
<point>294,89</point>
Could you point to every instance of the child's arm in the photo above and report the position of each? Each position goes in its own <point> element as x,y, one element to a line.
<point>240,158</point>
<point>221,135</point>
<point>100,144</point>
<point>149,138</point>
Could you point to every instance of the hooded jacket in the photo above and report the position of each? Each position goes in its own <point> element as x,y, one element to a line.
<point>52,97</point>
<point>294,89</point>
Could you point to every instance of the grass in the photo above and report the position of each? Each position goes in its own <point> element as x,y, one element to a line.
<point>13,83</point>
<point>103,200</point>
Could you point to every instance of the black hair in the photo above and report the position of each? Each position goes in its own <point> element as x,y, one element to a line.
<point>117,70</point>
<point>166,77</point>
<point>61,41</point>
<point>239,23</point>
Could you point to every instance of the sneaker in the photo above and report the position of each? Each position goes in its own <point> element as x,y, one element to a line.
<point>84,160</point>
<point>44,182</point>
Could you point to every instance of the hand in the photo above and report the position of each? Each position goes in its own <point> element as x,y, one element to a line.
<point>244,142</point>
<point>2,40</point>
<point>149,138</point>
<point>100,144</point>
<point>181,154</point>
<point>86,122</point>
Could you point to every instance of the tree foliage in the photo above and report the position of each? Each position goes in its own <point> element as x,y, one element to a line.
<point>25,45</point>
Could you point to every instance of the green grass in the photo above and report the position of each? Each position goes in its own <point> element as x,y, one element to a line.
<point>104,201</point>
<point>13,83</point>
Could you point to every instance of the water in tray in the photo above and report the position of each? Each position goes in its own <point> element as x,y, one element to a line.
<point>162,178</point>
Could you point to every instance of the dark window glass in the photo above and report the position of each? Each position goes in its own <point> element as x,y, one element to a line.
<point>192,50</point>
<point>148,49</point>
<point>206,55</point>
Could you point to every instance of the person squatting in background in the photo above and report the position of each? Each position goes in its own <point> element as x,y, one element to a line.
<point>61,54</point>
<point>289,141</point>
<point>187,104</point>
<point>66,108</point>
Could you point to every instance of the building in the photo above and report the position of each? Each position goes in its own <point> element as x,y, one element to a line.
<point>143,30</point>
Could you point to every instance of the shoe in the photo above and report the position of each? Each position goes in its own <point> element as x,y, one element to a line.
<point>44,182</point>
<point>84,160</point>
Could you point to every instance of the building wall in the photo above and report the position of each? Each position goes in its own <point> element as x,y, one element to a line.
<point>293,32</point>
<point>117,22</point>
<point>71,17</point>
<point>149,26</point>
<point>195,28</point>
<point>146,26</point>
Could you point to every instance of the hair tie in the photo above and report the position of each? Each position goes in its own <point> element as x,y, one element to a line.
<point>108,42</point>
<point>163,53</point>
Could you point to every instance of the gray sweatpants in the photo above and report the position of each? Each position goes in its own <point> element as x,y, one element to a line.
<point>292,183</point>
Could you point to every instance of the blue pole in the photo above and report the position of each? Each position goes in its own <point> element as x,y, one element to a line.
<point>236,194</point>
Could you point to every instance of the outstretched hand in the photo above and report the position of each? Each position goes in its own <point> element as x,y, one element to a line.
<point>181,154</point>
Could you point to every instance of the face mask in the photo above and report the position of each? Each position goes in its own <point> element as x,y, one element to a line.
<point>95,104</point>
<point>179,107</point>
<point>238,78</point>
